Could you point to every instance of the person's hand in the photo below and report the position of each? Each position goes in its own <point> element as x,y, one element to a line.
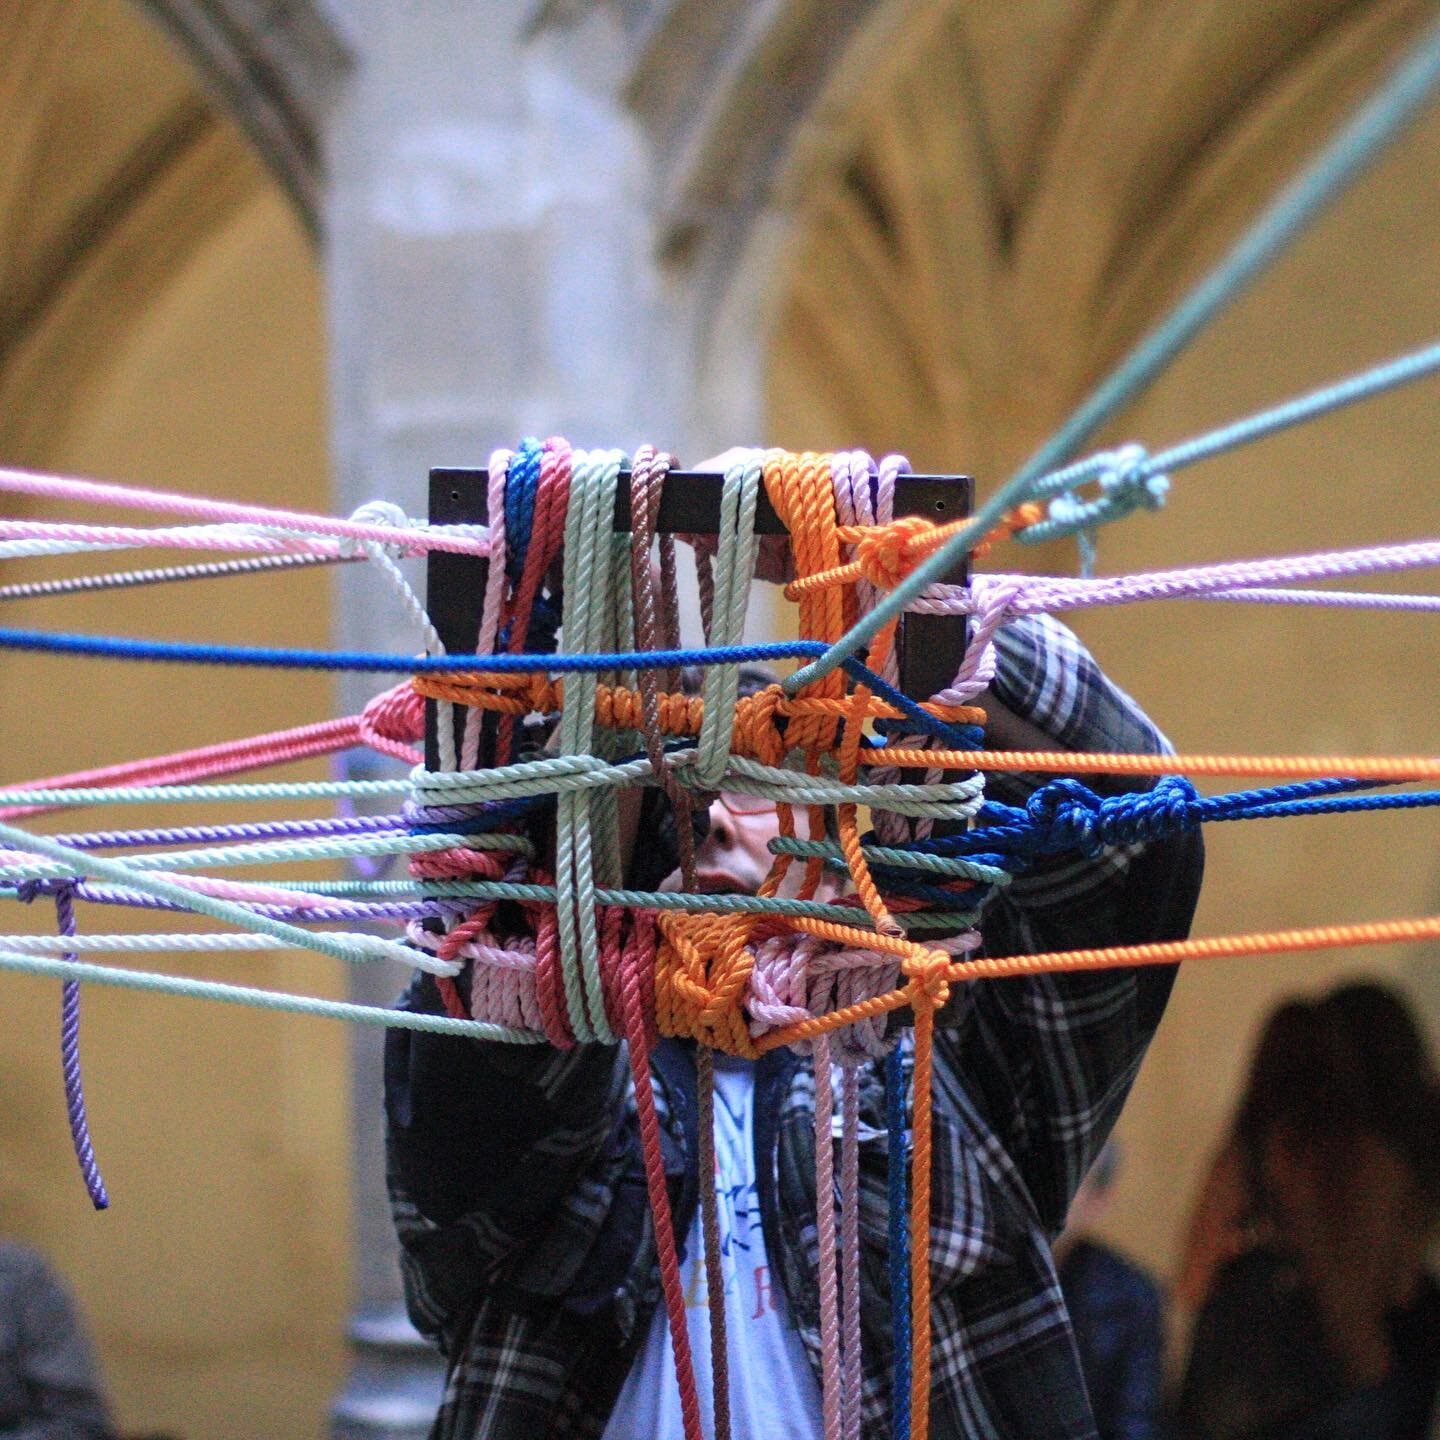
<point>1005,730</point>
<point>773,560</point>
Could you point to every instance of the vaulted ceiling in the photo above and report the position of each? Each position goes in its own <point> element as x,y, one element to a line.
<point>999,199</point>
<point>113,168</point>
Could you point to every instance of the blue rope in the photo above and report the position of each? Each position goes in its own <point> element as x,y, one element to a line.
<point>897,1187</point>
<point>120,647</point>
<point>123,647</point>
<point>521,482</point>
<point>1065,815</point>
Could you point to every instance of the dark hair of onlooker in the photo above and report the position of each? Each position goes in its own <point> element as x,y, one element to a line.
<point>1352,1063</point>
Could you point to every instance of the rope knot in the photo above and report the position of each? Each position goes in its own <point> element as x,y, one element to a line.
<point>1135,818</point>
<point>1126,485</point>
<point>396,714</point>
<point>929,985</point>
<point>884,555</point>
<point>1067,814</point>
<point>764,738</point>
<point>378,512</point>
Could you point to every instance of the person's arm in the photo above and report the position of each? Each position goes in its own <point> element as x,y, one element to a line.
<point>484,1142</point>
<point>57,1367</point>
<point>1053,1056</point>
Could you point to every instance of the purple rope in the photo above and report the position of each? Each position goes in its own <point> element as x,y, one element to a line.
<point>1063,594</point>
<point>213,834</point>
<point>70,1061</point>
<point>830,1395</point>
<point>1348,599</point>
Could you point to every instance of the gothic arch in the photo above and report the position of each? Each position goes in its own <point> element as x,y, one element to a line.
<point>993,232</point>
<point>274,68</point>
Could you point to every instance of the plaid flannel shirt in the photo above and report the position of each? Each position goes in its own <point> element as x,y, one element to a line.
<point>519,1195</point>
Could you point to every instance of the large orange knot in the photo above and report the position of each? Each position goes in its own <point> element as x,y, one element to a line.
<point>885,556</point>
<point>929,975</point>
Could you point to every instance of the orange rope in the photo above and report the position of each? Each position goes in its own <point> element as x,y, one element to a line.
<point>1079,762</point>
<point>885,554</point>
<point>1274,942</point>
<point>680,715</point>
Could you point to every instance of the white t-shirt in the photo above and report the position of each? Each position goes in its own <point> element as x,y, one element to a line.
<point>772,1387</point>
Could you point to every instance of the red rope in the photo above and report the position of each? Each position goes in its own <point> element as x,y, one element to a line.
<point>639,1049</point>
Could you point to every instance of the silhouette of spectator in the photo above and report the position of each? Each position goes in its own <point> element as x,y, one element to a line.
<point>1317,1318</point>
<point>1116,1311</point>
<point>49,1387</point>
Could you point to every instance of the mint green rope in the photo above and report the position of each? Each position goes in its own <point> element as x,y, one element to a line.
<point>279,852</point>
<point>258,999</point>
<point>588,552</point>
<point>736,547</point>
<point>830,852</point>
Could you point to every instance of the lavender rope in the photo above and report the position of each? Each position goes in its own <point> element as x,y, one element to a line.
<point>1046,593</point>
<point>70,1062</point>
<point>217,834</point>
<point>1338,599</point>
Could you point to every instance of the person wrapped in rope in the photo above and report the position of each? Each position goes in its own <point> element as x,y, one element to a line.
<point>519,1173</point>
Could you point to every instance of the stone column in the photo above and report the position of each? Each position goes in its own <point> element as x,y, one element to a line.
<point>490,274</point>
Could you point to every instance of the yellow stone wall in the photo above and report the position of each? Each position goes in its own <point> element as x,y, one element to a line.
<point>216,1285</point>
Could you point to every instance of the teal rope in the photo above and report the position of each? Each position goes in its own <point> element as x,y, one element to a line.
<point>604,895</point>
<point>830,852</point>
<point>1140,471</point>
<point>1378,122</point>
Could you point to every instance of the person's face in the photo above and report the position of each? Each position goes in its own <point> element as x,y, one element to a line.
<point>733,859</point>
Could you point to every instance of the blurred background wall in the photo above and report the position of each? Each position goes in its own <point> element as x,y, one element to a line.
<point>161,323</point>
<point>921,226</point>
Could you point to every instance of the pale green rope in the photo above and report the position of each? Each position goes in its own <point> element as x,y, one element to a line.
<point>283,851</point>
<point>262,999</point>
<point>734,570</point>
<point>589,523</point>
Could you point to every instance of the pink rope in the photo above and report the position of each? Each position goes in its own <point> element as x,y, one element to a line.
<point>497,474</point>
<point>851,1374</point>
<point>231,757</point>
<point>96,492</point>
<point>188,537</point>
